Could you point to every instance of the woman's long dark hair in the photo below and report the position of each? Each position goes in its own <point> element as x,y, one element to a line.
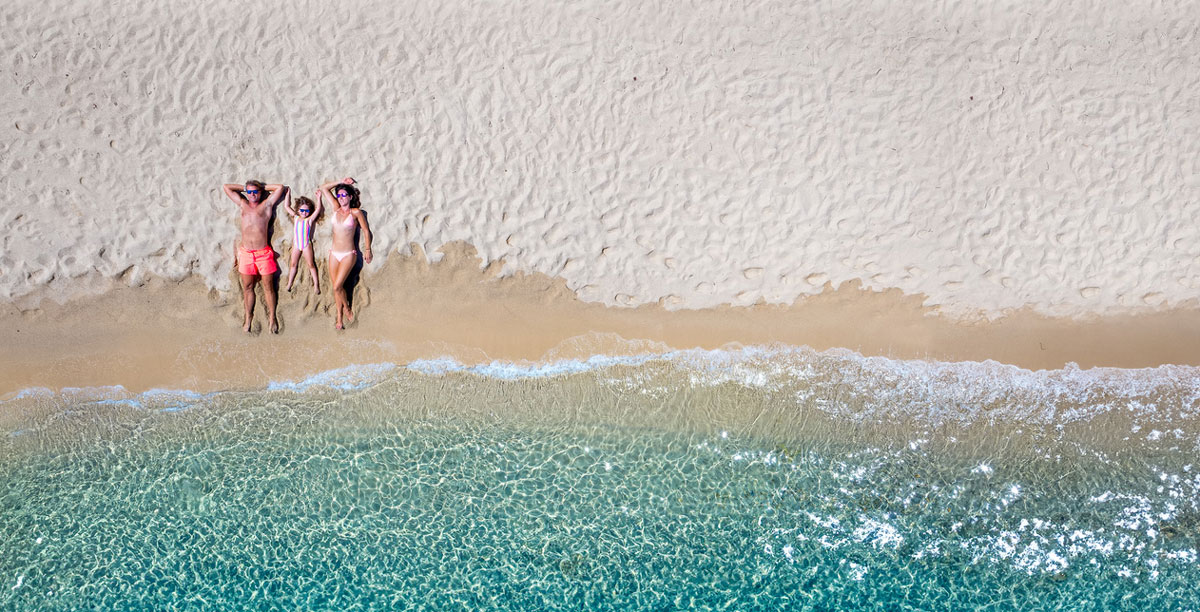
<point>350,190</point>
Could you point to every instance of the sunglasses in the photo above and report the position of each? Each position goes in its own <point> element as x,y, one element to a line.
<point>304,211</point>
<point>251,192</point>
<point>341,196</point>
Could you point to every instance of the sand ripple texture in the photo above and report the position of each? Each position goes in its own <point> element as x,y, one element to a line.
<point>731,152</point>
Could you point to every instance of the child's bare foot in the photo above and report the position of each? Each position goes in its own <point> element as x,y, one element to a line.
<point>318,290</point>
<point>289,287</point>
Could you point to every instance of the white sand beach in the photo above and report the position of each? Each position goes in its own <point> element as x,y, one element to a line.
<point>952,182</point>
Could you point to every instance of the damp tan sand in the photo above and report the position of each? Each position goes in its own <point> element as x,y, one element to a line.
<point>181,335</point>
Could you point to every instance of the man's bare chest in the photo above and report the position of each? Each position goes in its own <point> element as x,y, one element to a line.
<point>261,214</point>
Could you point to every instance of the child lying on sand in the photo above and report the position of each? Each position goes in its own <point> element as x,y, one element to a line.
<point>304,216</point>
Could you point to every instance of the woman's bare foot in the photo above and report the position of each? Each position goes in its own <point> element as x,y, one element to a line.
<point>338,325</point>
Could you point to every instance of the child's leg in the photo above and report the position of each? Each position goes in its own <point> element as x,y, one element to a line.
<point>292,267</point>
<point>312,268</point>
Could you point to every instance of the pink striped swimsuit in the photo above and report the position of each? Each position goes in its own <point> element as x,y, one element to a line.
<point>302,233</point>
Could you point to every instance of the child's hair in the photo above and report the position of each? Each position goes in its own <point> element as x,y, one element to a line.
<point>348,189</point>
<point>304,201</point>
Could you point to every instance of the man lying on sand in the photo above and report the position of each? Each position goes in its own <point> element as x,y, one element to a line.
<point>255,257</point>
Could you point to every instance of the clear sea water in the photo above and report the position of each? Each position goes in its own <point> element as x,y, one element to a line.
<point>756,479</point>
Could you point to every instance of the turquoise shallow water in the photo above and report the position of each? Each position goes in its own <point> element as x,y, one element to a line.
<point>729,481</point>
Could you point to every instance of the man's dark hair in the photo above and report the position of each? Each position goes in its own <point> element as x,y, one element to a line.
<point>258,184</point>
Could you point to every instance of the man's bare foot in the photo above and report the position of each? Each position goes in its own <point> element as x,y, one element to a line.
<point>274,327</point>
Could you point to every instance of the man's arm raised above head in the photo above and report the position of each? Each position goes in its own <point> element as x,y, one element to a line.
<point>234,191</point>
<point>276,192</point>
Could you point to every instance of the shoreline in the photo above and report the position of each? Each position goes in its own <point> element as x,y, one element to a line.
<point>181,335</point>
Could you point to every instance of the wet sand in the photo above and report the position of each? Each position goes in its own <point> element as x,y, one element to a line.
<point>181,335</point>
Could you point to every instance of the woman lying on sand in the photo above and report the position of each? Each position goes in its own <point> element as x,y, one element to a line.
<point>346,220</point>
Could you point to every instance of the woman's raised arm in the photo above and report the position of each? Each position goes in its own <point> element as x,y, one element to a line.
<point>327,188</point>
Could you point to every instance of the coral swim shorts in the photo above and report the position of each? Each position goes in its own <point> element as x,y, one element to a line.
<point>259,261</point>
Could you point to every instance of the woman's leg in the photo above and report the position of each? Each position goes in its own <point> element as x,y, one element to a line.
<point>338,272</point>
<point>311,260</point>
<point>345,266</point>
<point>337,297</point>
<point>292,267</point>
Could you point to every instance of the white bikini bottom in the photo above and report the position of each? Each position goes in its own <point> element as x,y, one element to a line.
<point>340,255</point>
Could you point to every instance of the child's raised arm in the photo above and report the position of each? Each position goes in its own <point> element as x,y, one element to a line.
<point>291,209</point>
<point>320,204</point>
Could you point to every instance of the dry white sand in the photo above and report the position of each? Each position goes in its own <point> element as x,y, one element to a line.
<point>982,156</point>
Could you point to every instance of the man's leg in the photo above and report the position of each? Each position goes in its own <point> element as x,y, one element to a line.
<point>269,294</point>
<point>248,282</point>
